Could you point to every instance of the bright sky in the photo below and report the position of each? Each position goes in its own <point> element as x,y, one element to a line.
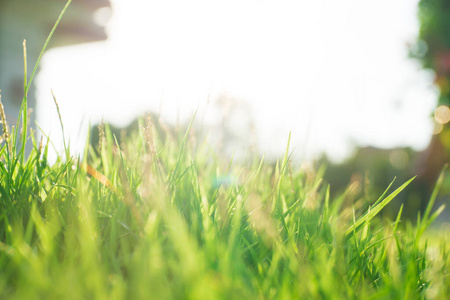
<point>335,73</point>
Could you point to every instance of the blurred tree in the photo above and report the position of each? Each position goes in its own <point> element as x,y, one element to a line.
<point>433,50</point>
<point>373,169</point>
<point>33,20</point>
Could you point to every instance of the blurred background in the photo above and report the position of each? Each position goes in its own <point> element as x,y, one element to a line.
<point>361,85</point>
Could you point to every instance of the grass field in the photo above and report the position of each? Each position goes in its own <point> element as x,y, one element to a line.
<point>169,218</point>
<point>154,219</point>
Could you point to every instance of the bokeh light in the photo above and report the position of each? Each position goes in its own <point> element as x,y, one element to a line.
<point>442,114</point>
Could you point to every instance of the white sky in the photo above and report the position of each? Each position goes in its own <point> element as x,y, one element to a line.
<point>333,72</point>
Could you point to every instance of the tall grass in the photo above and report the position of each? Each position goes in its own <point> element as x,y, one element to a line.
<point>159,218</point>
<point>153,219</point>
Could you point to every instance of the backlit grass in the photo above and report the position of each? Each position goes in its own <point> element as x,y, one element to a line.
<point>147,219</point>
<point>169,218</point>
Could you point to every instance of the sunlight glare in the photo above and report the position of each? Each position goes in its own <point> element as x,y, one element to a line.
<point>333,72</point>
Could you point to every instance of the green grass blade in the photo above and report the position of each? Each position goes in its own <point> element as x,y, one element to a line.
<point>47,41</point>
<point>375,210</point>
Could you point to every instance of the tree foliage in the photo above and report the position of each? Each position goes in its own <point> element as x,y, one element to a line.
<point>433,46</point>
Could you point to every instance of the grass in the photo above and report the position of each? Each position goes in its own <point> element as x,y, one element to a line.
<point>169,218</point>
<point>161,219</point>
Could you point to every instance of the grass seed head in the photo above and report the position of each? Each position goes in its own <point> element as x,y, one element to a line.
<point>3,117</point>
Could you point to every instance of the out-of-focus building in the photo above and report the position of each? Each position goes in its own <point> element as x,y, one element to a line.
<point>32,21</point>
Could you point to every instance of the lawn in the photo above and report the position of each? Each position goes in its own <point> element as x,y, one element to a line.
<point>162,215</point>
<point>169,218</point>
